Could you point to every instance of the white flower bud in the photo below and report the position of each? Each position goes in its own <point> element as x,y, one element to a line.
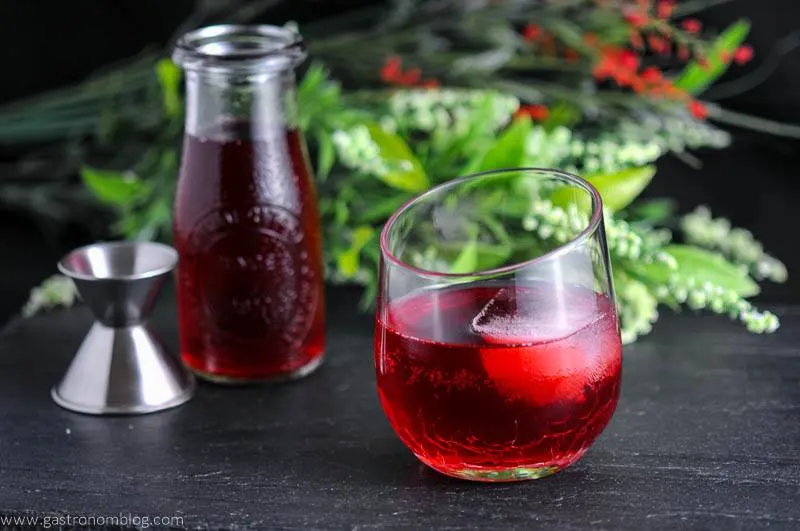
<point>697,299</point>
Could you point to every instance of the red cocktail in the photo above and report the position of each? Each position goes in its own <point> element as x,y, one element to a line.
<point>498,375</point>
<point>250,279</point>
<point>250,294</point>
<point>472,382</point>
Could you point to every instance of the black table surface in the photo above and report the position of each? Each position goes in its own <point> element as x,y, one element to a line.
<point>706,436</point>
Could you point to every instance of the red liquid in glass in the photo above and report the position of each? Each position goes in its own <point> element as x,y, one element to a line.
<point>497,383</point>
<point>250,282</point>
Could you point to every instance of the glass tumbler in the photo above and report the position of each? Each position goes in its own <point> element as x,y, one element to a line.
<point>497,344</point>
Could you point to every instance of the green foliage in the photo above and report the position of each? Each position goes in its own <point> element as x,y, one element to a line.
<point>327,156</point>
<point>116,189</point>
<point>348,262</point>
<point>319,101</point>
<point>366,170</point>
<point>169,78</point>
<point>508,151</point>
<point>697,77</point>
<point>651,212</point>
<point>638,307</point>
<point>701,266</point>
<point>55,291</point>
<point>375,149</point>
<point>401,170</point>
<point>619,189</point>
<point>737,244</point>
<point>467,259</point>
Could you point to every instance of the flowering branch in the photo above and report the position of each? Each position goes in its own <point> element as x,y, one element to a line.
<point>570,84</point>
<point>739,245</point>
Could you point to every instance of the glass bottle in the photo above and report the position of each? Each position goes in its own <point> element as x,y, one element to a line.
<point>250,277</point>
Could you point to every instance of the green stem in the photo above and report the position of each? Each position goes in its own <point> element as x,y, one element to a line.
<point>692,6</point>
<point>753,122</point>
<point>11,129</point>
<point>537,63</point>
<point>128,78</point>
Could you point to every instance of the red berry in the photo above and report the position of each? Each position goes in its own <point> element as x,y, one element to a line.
<point>411,77</point>
<point>698,110</point>
<point>691,25</point>
<point>635,39</point>
<point>664,9</point>
<point>658,45</point>
<point>637,19</point>
<point>629,60</point>
<point>743,54</point>
<point>531,32</point>
<point>536,112</point>
<point>391,69</point>
<point>651,74</point>
<point>571,55</point>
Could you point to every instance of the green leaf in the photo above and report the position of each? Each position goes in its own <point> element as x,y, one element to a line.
<point>404,170</point>
<point>169,78</point>
<point>480,125</point>
<point>308,92</point>
<point>319,102</point>
<point>315,76</point>
<point>467,259</point>
<point>326,156</point>
<point>652,211</point>
<point>348,262</point>
<point>381,209</point>
<point>701,266</point>
<point>341,212</point>
<point>492,256</point>
<point>564,114</point>
<point>158,219</point>
<point>114,188</point>
<point>696,78</point>
<point>617,189</point>
<point>508,151</point>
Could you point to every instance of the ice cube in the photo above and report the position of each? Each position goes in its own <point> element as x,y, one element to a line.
<point>534,315</point>
<point>533,349</point>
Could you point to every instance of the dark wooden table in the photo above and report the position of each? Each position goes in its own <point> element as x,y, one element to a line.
<point>706,436</point>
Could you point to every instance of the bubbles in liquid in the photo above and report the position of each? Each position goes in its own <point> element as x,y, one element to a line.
<point>494,378</point>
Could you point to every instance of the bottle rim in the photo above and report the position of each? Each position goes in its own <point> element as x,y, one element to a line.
<point>256,48</point>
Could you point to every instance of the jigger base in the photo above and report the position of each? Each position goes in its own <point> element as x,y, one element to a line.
<point>123,371</point>
<point>119,410</point>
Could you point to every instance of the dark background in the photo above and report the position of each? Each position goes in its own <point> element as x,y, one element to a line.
<point>47,44</point>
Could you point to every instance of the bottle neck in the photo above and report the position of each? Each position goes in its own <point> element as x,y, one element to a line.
<point>221,107</point>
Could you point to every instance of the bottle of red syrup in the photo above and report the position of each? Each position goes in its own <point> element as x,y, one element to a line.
<point>250,277</point>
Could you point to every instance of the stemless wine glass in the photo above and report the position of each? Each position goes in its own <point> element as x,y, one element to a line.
<point>497,344</point>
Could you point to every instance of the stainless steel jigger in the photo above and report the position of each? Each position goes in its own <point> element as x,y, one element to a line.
<point>121,368</point>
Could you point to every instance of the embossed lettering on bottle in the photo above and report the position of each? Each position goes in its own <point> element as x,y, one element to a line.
<point>275,293</point>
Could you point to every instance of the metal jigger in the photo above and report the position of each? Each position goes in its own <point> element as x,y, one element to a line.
<point>121,368</point>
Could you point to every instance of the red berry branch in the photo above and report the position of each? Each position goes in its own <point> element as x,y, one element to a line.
<point>392,73</point>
